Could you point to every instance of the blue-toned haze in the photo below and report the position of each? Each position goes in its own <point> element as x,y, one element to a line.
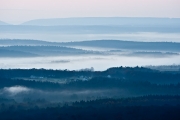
<point>18,11</point>
<point>81,20</point>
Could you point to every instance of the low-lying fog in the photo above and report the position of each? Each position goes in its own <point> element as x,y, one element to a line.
<point>98,62</point>
<point>20,92</point>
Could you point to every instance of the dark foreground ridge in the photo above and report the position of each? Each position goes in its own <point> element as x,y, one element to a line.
<point>139,108</point>
<point>121,93</point>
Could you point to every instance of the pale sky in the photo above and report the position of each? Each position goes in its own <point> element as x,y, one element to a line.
<point>18,11</point>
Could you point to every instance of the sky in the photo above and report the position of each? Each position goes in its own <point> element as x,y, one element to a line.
<point>19,11</point>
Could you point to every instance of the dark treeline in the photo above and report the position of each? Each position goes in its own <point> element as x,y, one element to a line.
<point>147,100</point>
<point>139,108</point>
<point>117,85</point>
<point>126,73</point>
<point>91,113</point>
<point>32,84</point>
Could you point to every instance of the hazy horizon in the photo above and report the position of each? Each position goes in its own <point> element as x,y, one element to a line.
<point>53,18</point>
<point>19,11</point>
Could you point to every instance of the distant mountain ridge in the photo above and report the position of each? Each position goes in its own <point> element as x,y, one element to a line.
<point>15,53</point>
<point>93,29</point>
<point>3,23</point>
<point>12,42</point>
<point>104,21</point>
<point>131,45</point>
<point>34,51</point>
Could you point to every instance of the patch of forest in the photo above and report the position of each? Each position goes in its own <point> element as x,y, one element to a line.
<point>123,73</point>
<point>121,93</point>
<point>137,108</point>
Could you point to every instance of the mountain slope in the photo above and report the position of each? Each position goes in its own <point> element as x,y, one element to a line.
<point>114,44</point>
<point>41,51</point>
<point>14,53</point>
